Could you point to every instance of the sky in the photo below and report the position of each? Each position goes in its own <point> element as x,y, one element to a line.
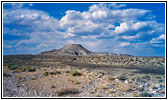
<point>128,28</point>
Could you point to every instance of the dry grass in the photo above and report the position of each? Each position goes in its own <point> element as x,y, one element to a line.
<point>124,87</point>
<point>116,83</point>
<point>76,82</point>
<point>117,94</point>
<point>20,69</point>
<point>97,95</point>
<point>92,92</point>
<point>67,91</point>
<point>110,91</point>
<point>104,86</point>
<point>136,95</point>
<point>46,73</point>
<point>153,86</point>
<point>53,86</point>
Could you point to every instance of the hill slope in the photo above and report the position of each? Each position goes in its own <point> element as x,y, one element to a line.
<point>69,49</point>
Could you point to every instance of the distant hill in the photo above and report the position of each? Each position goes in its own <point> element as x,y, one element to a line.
<point>77,49</point>
<point>69,49</point>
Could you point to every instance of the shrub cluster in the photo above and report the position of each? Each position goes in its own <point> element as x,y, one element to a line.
<point>46,73</point>
<point>66,91</point>
<point>31,69</point>
<point>21,69</point>
<point>13,67</point>
<point>74,72</point>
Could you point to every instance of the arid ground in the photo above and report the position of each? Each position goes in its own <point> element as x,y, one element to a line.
<point>83,76</point>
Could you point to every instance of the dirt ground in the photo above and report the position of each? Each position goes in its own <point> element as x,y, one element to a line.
<point>69,77</point>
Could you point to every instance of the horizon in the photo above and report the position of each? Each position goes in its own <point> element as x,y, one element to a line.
<point>83,47</point>
<point>136,29</point>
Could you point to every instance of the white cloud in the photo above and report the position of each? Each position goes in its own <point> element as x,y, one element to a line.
<point>90,37</point>
<point>158,39</point>
<point>116,6</point>
<point>130,37</point>
<point>161,37</point>
<point>95,28</point>
<point>100,14</point>
<point>98,18</point>
<point>69,35</point>
<point>42,45</point>
<point>94,7</point>
<point>30,4</point>
<point>128,14</point>
<point>122,28</point>
<point>71,18</point>
<point>25,16</point>
<point>139,25</point>
<point>123,44</point>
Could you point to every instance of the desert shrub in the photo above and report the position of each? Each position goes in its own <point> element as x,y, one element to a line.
<point>74,72</point>
<point>87,68</point>
<point>67,71</point>
<point>66,91</point>
<point>9,66</point>
<point>46,73</point>
<point>13,67</point>
<point>31,69</point>
<point>145,94</point>
<point>52,73</point>
<point>146,77</point>
<point>122,78</point>
<point>20,69</point>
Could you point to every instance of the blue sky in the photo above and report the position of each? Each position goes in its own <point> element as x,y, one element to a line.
<point>128,28</point>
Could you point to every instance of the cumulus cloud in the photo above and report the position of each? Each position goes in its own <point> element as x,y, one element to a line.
<point>158,39</point>
<point>130,37</point>
<point>122,28</point>
<point>124,44</point>
<point>100,19</point>
<point>139,25</point>
<point>69,35</point>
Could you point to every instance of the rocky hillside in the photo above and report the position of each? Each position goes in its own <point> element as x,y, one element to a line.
<point>77,49</point>
<point>69,49</point>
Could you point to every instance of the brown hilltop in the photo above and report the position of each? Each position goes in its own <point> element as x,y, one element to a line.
<point>78,50</point>
<point>69,49</point>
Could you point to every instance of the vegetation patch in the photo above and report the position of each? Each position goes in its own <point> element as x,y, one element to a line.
<point>20,69</point>
<point>46,73</point>
<point>67,91</point>
<point>9,66</point>
<point>75,72</point>
<point>13,67</point>
<point>31,69</point>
